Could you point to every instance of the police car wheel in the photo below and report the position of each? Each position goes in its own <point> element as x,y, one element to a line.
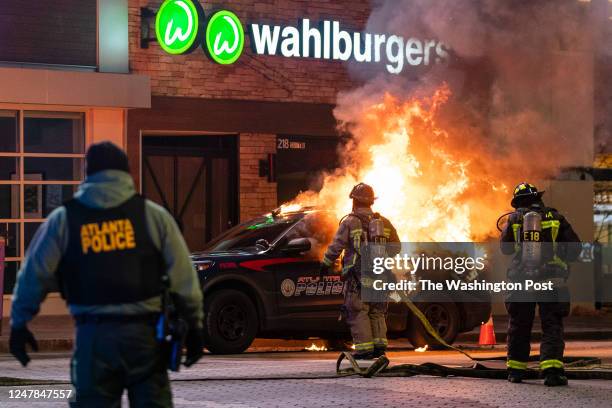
<point>443,316</point>
<point>231,322</point>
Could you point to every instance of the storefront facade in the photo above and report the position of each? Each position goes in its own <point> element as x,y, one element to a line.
<point>63,86</point>
<point>200,136</point>
<point>203,148</point>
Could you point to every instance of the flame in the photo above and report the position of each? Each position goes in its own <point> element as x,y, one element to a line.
<point>421,349</point>
<point>431,183</point>
<point>288,208</point>
<point>314,347</point>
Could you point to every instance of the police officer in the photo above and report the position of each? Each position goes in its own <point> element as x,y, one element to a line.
<point>107,250</point>
<point>366,319</point>
<point>554,237</point>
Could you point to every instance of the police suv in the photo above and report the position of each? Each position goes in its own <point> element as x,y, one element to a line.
<point>261,278</point>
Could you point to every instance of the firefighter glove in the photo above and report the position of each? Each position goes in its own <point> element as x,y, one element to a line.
<point>17,344</point>
<point>194,342</point>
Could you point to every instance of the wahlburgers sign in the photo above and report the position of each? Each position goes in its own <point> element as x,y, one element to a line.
<point>180,27</point>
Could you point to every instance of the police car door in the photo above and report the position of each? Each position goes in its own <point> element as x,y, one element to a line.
<point>301,292</point>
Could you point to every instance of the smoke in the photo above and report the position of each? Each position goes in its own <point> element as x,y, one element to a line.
<point>445,144</point>
<point>521,79</point>
<point>522,75</point>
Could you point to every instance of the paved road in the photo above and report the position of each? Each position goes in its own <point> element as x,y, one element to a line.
<point>277,379</point>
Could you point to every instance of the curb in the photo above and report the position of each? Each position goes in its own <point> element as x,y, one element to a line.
<point>44,345</point>
<point>50,345</point>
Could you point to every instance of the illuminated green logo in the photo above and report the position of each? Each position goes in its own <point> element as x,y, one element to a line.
<point>224,37</point>
<point>177,25</point>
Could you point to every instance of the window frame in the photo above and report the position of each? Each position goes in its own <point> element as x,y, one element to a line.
<point>23,111</point>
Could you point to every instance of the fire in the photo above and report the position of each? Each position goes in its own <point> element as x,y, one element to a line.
<point>431,184</point>
<point>289,208</point>
<point>314,347</point>
<point>421,349</point>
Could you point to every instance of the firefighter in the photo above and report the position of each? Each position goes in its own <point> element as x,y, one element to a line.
<point>107,250</point>
<point>365,319</point>
<point>533,222</point>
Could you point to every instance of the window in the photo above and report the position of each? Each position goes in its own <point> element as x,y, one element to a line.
<point>42,158</point>
<point>53,32</point>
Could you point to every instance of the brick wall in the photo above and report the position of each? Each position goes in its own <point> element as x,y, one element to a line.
<point>253,78</point>
<point>260,77</point>
<point>257,195</point>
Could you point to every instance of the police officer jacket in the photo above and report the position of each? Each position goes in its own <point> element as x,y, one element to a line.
<point>102,190</point>
<point>563,242</point>
<point>350,236</point>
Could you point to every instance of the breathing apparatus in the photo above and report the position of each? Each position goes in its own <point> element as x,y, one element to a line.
<point>529,237</point>
<point>376,236</point>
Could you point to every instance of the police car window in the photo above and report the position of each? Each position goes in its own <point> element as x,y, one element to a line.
<point>318,227</point>
<point>245,236</point>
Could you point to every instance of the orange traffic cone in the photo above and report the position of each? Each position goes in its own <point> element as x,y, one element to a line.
<point>487,333</point>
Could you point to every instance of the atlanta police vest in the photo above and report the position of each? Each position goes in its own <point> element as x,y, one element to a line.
<point>110,257</point>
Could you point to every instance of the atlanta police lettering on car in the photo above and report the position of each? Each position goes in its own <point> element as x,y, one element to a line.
<point>309,286</point>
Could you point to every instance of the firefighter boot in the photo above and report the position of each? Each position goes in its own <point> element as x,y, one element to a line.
<point>553,377</point>
<point>379,352</point>
<point>363,355</point>
<point>515,376</point>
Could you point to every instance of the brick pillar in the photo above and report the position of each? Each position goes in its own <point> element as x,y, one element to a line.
<point>257,195</point>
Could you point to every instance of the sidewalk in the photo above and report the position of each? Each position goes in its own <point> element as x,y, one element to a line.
<point>55,333</point>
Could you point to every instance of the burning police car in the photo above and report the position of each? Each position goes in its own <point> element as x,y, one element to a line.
<point>261,278</point>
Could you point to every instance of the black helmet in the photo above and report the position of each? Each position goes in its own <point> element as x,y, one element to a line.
<point>363,194</point>
<point>525,192</point>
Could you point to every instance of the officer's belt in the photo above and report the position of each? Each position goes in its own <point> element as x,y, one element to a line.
<point>151,318</point>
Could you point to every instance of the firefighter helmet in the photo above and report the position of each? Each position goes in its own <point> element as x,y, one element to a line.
<point>363,193</point>
<point>525,192</point>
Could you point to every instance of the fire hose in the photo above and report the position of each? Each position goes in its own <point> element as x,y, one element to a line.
<point>577,368</point>
<point>591,370</point>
